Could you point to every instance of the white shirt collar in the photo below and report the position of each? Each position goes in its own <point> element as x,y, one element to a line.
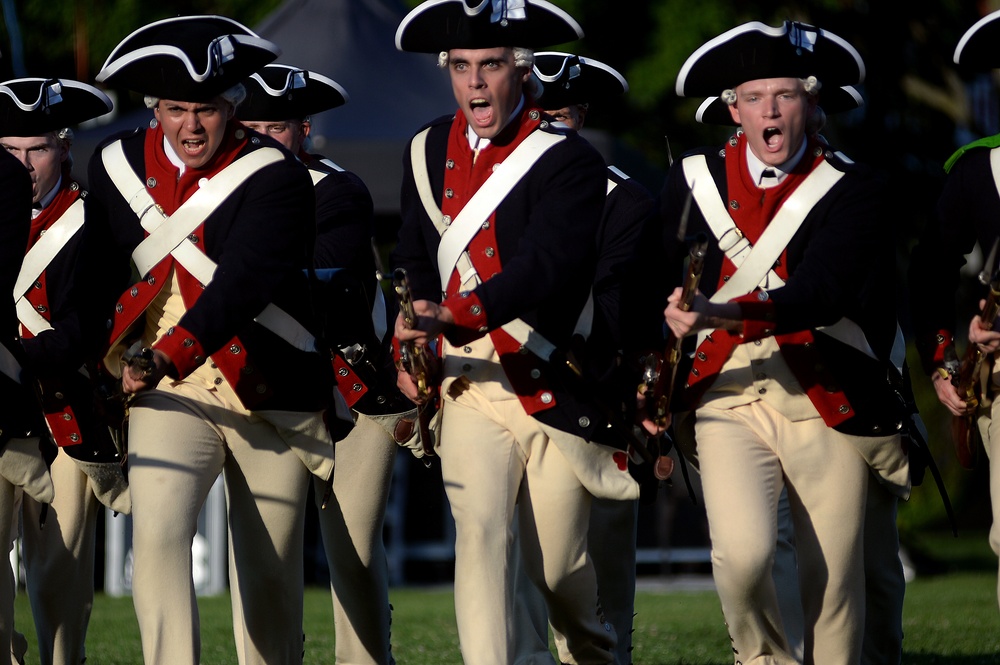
<point>757,167</point>
<point>173,156</point>
<point>476,142</point>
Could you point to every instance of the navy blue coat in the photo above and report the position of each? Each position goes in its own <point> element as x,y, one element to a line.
<point>19,413</point>
<point>261,238</point>
<point>840,264</point>
<point>545,229</point>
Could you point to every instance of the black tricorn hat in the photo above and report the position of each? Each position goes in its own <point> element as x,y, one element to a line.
<point>569,79</point>
<point>714,111</point>
<point>187,58</point>
<point>282,92</point>
<point>757,51</point>
<point>36,106</point>
<point>977,49</point>
<point>441,25</point>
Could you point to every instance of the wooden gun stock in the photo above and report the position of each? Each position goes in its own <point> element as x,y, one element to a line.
<point>971,380</point>
<point>417,362</point>
<point>660,380</point>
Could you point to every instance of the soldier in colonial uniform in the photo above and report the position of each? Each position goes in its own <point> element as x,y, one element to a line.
<point>59,558</point>
<point>966,213</point>
<point>570,83</point>
<point>885,584</point>
<point>209,234</point>
<point>786,387</point>
<point>280,100</point>
<point>501,207</point>
<point>22,429</point>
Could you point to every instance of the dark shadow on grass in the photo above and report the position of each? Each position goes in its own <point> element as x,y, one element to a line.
<point>940,659</point>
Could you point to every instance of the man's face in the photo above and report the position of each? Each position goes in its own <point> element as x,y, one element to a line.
<point>572,116</point>
<point>289,133</point>
<point>43,156</point>
<point>195,130</point>
<point>487,86</point>
<point>773,113</point>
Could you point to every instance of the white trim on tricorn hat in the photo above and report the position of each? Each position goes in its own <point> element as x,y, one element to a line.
<point>757,51</point>
<point>187,58</point>
<point>442,25</point>
<point>977,49</point>
<point>714,111</point>
<point>282,92</point>
<point>571,79</point>
<point>36,106</point>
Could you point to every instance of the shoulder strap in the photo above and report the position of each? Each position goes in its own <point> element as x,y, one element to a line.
<point>37,259</point>
<point>486,199</point>
<point>171,239</point>
<point>755,265</point>
<point>422,179</point>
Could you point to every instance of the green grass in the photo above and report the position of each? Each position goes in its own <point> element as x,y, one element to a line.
<point>950,618</point>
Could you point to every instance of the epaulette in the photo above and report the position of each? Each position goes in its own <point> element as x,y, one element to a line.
<point>988,142</point>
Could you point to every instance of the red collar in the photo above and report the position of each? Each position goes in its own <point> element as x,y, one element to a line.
<point>170,188</point>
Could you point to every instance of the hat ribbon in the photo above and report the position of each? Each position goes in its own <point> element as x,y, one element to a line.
<point>48,96</point>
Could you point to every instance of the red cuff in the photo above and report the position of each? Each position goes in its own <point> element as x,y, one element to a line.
<point>469,315</point>
<point>184,351</point>
<point>758,316</point>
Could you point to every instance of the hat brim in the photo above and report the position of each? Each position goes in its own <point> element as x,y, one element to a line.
<point>757,51</point>
<point>977,49</point>
<point>282,92</point>
<point>714,111</point>
<point>561,87</point>
<point>442,25</point>
<point>27,107</point>
<point>192,58</point>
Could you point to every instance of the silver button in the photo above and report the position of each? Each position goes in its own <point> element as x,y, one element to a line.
<point>449,192</point>
<point>734,204</point>
<point>546,398</point>
<point>490,252</point>
<point>59,394</point>
<point>357,387</point>
<point>218,380</point>
<point>342,371</point>
<point>466,367</point>
<point>584,421</point>
<point>239,134</point>
<point>467,349</point>
<point>446,220</point>
<point>533,114</point>
<point>476,310</point>
<point>134,291</point>
<point>486,225</point>
<point>188,342</point>
<point>261,388</point>
<point>74,437</point>
<point>450,163</point>
<point>234,349</point>
<point>67,417</point>
<point>150,182</point>
<point>536,373</point>
<point>762,391</point>
<point>843,408</point>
